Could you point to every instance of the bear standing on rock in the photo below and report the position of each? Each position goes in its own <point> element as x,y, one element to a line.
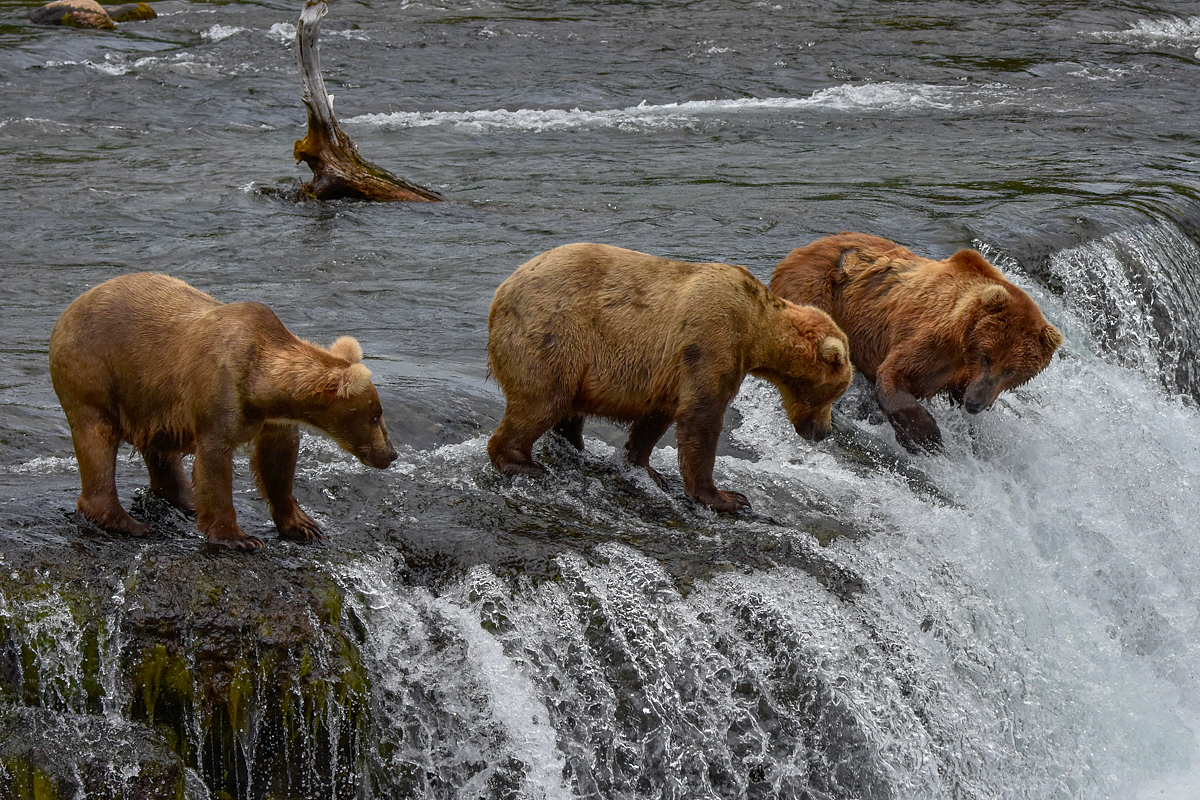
<point>918,327</point>
<point>149,360</point>
<point>590,329</point>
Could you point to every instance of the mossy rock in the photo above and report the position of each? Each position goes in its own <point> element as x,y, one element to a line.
<point>47,756</point>
<point>226,658</point>
<point>131,12</point>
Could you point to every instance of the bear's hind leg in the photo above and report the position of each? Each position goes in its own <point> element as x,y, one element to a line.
<point>96,441</point>
<point>511,446</point>
<point>169,480</point>
<point>274,465</point>
<point>644,433</point>
<point>571,429</point>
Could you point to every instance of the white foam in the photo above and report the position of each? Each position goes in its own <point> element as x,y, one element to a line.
<point>283,32</point>
<point>1169,32</point>
<point>885,96</point>
<point>219,32</point>
<point>42,465</point>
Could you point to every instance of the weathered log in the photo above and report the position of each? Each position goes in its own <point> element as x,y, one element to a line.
<point>338,170</point>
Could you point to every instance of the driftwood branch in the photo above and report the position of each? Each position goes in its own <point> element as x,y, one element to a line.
<point>338,170</point>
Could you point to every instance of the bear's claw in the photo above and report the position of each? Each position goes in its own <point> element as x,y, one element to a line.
<point>247,543</point>
<point>730,502</point>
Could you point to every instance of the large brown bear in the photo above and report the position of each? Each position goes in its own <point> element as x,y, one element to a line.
<point>918,327</point>
<point>149,360</point>
<point>589,329</point>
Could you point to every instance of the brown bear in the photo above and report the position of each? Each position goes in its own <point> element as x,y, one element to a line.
<point>918,327</point>
<point>149,360</point>
<point>590,329</point>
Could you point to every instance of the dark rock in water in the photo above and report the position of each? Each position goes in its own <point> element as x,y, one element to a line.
<point>73,13</point>
<point>131,12</point>
<point>46,754</point>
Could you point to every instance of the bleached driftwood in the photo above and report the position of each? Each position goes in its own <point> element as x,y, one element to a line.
<point>338,170</point>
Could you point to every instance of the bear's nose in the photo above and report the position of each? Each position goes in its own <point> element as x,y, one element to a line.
<point>814,430</point>
<point>379,459</point>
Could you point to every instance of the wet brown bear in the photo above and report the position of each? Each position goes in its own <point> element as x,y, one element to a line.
<point>918,327</point>
<point>589,329</point>
<point>149,360</point>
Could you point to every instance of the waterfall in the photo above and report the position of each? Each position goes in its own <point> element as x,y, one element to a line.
<point>1016,617</point>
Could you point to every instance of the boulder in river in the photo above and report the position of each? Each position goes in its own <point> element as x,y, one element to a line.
<point>73,13</point>
<point>131,12</point>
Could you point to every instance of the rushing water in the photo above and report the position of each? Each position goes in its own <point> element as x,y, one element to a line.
<point>1015,618</point>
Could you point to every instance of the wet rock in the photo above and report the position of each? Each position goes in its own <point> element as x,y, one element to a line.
<point>73,13</point>
<point>237,664</point>
<point>131,12</point>
<point>49,755</point>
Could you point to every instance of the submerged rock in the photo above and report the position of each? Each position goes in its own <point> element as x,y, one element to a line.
<point>131,12</point>
<point>73,13</point>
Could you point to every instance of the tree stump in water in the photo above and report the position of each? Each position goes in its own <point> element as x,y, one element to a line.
<point>338,170</point>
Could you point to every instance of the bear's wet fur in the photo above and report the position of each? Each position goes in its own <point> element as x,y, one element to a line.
<point>595,330</point>
<point>918,327</point>
<point>149,360</point>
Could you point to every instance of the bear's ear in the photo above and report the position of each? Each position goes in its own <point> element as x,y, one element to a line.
<point>995,298</point>
<point>972,260</point>
<point>351,380</point>
<point>832,352</point>
<point>347,349</point>
<point>1051,339</point>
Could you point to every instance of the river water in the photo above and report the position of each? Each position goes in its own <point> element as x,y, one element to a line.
<point>1017,617</point>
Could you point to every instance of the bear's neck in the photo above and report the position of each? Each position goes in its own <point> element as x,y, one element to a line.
<point>772,349</point>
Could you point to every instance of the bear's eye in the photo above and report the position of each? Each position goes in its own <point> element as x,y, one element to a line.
<point>985,360</point>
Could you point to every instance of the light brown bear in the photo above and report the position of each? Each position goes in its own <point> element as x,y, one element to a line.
<point>589,329</point>
<point>149,360</point>
<point>918,327</point>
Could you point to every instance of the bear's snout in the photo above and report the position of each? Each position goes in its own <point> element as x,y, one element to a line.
<point>981,393</point>
<point>379,458</point>
<point>814,429</point>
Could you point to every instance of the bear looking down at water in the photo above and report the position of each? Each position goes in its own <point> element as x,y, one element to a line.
<point>590,329</point>
<point>148,360</point>
<point>918,327</point>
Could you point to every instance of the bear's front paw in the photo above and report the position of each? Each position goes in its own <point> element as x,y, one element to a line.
<point>248,543</point>
<point>920,439</point>
<point>301,528</point>
<point>916,430</point>
<point>531,468</point>
<point>112,519</point>
<point>658,478</point>
<point>729,502</point>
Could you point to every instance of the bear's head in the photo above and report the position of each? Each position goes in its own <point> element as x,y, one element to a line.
<point>1008,341</point>
<point>342,402</point>
<point>811,368</point>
